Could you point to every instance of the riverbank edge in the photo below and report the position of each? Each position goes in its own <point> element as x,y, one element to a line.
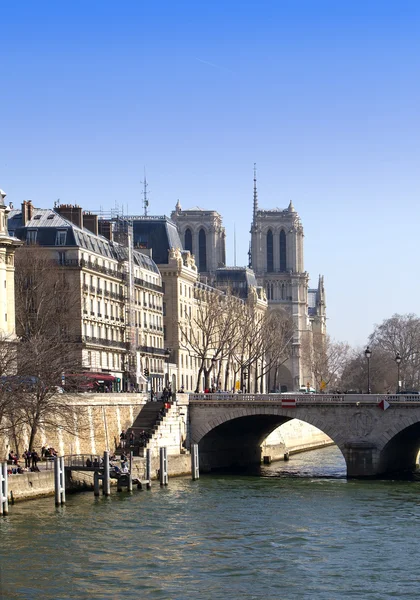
<point>32,486</point>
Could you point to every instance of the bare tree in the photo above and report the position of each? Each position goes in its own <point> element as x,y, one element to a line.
<point>207,334</point>
<point>8,362</point>
<point>265,342</point>
<point>277,343</point>
<point>47,318</point>
<point>325,359</point>
<point>400,334</point>
<point>382,373</point>
<point>47,299</point>
<point>42,362</point>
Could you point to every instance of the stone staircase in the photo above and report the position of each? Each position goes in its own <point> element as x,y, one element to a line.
<point>148,421</point>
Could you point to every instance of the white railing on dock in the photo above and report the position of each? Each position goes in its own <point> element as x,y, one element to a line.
<point>303,399</point>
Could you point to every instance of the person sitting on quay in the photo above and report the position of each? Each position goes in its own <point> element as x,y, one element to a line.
<point>50,452</point>
<point>13,458</point>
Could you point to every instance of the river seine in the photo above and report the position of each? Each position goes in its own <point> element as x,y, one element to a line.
<point>296,530</point>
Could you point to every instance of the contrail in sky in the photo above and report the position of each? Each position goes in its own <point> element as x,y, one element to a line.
<point>206,62</point>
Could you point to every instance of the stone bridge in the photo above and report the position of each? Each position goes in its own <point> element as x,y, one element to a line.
<point>374,438</point>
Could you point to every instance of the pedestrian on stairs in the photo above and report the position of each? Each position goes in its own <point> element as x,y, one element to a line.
<point>123,437</point>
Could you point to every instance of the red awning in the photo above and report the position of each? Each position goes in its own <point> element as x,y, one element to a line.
<point>99,376</point>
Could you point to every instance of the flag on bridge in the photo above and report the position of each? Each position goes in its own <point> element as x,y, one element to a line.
<point>383,404</point>
<point>288,402</point>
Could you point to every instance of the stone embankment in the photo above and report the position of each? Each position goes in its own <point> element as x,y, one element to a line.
<point>99,420</point>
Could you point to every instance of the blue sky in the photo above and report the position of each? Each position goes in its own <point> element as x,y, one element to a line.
<point>323,96</point>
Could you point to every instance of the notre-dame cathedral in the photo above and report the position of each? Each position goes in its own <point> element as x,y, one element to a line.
<point>276,257</point>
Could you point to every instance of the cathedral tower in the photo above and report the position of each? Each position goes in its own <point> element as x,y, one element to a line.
<point>202,233</point>
<point>276,256</point>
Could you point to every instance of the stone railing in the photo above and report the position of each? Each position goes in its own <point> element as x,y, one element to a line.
<point>304,399</point>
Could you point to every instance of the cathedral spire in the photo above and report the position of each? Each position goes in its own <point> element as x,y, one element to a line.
<point>255,195</point>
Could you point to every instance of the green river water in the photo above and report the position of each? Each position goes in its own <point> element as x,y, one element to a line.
<point>296,530</point>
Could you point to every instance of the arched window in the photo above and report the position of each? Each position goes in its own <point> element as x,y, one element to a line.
<point>202,251</point>
<point>270,251</point>
<point>188,240</point>
<point>282,251</point>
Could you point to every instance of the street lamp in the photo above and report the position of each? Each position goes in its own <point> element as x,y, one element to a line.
<point>245,380</point>
<point>368,354</point>
<point>167,355</point>
<point>398,361</point>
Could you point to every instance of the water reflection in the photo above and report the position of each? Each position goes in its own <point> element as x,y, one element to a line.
<point>297,530</point>
<point>323,463</point>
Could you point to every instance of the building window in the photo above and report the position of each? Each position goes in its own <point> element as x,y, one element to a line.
<point>282,251</point>
<point>61,258</point>
<point>31,236</point>
<point>202,251</point>
<point>60,238</point>
<point>270,262</point>
<point>188,240</point>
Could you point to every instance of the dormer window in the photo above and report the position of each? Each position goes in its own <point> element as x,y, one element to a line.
<point>31,236</point>
<point>60,239</point>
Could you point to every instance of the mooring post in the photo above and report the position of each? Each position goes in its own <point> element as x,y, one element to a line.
<point>195,470</point>
<point>4,503</point>
<point>106,482</point>
<point>62,480</point>
<point>130,483</point>
<point>163,472</point>
<point>59,481</point>
<point>148,468</point>
<point>96,483</point>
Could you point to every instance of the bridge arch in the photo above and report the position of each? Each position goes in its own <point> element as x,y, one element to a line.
<point>234,438</point>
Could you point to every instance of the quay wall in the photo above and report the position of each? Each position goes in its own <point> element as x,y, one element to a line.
<point>37,485</point>
<point>98,421</point>
<point>292,437</point>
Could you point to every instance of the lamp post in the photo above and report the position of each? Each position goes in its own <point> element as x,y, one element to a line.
<point>368,354</point>
<point>245,381</point>
<point>398,361</point>
<point>167,355</point>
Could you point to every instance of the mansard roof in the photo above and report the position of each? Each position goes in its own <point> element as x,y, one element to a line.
<point>238,278</point>
<point>46,222</point>
<point>159,234</point>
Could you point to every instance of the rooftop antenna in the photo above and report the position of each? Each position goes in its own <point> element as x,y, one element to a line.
<point>255,194</point>
<point>145,197</point>
<point>234,245</point>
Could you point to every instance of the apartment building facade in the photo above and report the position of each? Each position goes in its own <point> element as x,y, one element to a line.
<point>117,320</point>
